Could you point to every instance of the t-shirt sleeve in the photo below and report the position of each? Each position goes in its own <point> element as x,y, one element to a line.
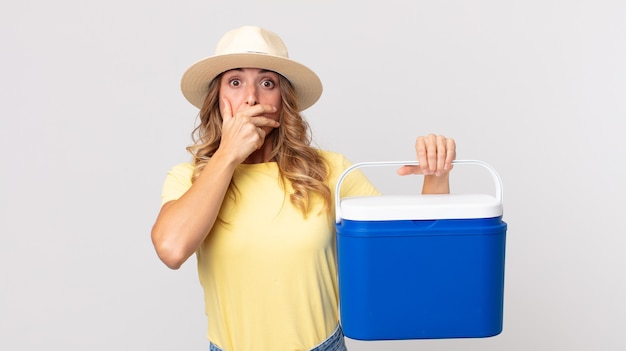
<point>177,182</point>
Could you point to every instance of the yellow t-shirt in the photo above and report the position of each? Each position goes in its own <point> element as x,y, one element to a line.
<point>269,275</point>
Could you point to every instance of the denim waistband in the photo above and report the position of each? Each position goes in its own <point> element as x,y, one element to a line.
<point>335,342</point>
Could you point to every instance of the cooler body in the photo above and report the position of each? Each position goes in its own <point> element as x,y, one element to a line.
<point>421,279</point>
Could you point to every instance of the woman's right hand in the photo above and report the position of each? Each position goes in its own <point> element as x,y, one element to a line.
<point>244,132</point>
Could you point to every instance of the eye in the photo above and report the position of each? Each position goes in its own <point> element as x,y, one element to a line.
<point>268,83</point>
<point>234,82</point>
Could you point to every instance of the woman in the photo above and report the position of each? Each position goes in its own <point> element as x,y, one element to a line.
<point>255,204</point>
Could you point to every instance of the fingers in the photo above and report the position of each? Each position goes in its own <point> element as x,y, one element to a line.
<point>435,154</point>
<point>256,111</point>
<point>245,130</point>
<point>227,110</point>
<point>408,169</point>
<point>260,121</point>
<point>450,154</point>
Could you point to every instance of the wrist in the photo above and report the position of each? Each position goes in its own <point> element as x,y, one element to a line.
<point>436,184</point>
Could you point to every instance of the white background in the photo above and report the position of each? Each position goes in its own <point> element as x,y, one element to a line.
<point>92,118</point>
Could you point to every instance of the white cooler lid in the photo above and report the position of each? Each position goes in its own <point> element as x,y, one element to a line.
<point>420,207</point>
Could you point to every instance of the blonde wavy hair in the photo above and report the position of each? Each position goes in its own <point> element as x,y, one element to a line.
<point>298,162</point>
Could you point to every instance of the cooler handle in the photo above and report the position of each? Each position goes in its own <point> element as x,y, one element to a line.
<point>494,174</point>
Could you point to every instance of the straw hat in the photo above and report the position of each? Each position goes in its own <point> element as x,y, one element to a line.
<point>250,47</point>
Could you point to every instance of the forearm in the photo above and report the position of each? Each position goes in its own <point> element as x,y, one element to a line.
<point>183,224</point>
<point>436,184</point>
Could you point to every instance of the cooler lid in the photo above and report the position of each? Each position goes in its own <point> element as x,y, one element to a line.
<point>420,207</point>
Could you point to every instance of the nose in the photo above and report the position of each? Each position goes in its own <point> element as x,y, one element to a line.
<point>251,95</point>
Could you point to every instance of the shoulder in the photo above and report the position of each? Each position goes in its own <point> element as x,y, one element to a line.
<point>184,168</point>
<point>177,181</point>
<point>182,172</point>
<point>355,183</point>
<point>336,161</point>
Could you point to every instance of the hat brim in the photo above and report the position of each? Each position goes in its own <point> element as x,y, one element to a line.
<point>196,79</point>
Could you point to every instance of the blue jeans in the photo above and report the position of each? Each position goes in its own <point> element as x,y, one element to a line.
<point>335,342</point>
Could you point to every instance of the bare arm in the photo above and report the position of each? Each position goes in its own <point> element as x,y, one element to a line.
<point>183,224</point>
